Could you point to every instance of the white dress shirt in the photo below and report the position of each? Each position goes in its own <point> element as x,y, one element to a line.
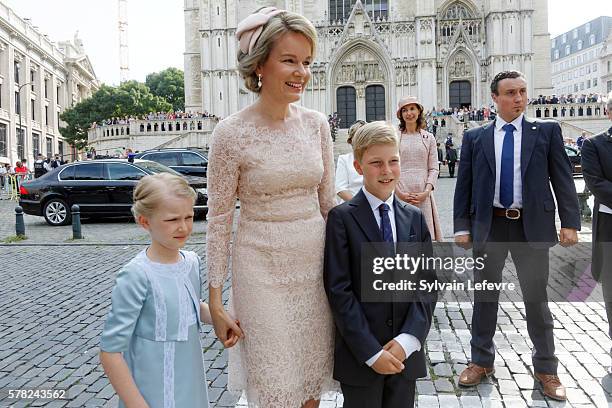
<point>409,343</point>
<point>347,177</point>
<point>499,135</point>
<point>605,209</point>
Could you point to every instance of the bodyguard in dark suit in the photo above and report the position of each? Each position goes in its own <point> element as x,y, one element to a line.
<point>451,159</point>
<point>502,198</point>
<point>597,172</point>
<point>379,345</point>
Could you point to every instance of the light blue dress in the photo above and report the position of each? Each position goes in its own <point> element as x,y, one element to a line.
<point>154,321</point>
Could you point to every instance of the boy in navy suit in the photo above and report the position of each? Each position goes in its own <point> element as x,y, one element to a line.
<point>379,345</point>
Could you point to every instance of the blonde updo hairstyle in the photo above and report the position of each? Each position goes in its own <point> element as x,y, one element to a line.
<point>353,129</point>
<point>153,189</point>
<point>275,27</point>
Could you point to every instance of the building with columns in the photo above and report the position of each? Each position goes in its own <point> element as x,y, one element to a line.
<point>372,52</point>
<point>38,80</point>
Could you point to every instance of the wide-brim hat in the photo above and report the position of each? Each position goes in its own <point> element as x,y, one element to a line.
<point>407,100</point>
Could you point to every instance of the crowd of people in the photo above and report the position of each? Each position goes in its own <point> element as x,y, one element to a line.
<point>571,98</point>
<point>466,113</point>
<point>20,171</point>
<point>126,120</point>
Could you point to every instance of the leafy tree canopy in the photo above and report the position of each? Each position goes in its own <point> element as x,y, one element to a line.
<point>170,85</point>
<point>130,98</point>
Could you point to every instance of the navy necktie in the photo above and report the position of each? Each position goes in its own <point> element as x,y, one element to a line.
<point>385,223</point>
<point>506,177</point>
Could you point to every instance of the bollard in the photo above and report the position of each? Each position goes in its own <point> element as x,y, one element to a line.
<point>76,222</point>
<point>19,224</point>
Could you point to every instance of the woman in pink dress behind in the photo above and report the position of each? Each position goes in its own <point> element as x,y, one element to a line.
<point>276,157</point>
<point>419,161</point>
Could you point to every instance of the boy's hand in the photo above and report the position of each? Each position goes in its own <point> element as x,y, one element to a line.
<point>396,349</point>
<point>387,364</point>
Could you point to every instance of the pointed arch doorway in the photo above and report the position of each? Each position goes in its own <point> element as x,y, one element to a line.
<point>460,94</point>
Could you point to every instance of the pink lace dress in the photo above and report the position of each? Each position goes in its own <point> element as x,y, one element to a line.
<point>419,160</point>
<point>284,180</point>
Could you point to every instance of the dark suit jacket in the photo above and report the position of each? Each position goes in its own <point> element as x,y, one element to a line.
<point>362,329</point>
<point>597,171</point>
<point>543,162</point>
<point>451,154</point>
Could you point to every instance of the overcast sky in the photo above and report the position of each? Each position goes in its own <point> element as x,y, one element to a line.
<point>156,29</point>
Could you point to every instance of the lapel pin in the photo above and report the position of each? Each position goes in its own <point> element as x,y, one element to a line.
<point>534,128</point>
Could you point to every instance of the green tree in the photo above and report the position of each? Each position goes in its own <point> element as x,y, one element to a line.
<point>170,85</point>
<point>131,98</point>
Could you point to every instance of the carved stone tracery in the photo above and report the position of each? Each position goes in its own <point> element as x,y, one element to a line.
<point>460,66</point>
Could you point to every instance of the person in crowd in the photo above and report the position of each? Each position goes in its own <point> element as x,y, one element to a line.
<point>3,178</point>
<point>10,171</point>
<point>39,166</point>
<point>56,162</point>
<point>283,357</point>
<point>376,364</point>
<point>451,159</point>
<point>150,345</point>
<point>440,157</point>
<point>581,139</point>
<point>596,156</point>
<point>503,198</point>
<point>419,157</point>
<point>348,181</point>
<point>449,140</point>
<point>20,169</point>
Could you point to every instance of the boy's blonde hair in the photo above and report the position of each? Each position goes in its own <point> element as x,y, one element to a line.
<point>373,133</point>
<point>153,189</point>
<point>285,22</point>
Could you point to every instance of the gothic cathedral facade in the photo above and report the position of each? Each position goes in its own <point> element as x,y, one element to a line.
<point>373,52</point>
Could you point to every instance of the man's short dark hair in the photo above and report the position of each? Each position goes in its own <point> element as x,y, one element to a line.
<point>504,75</point>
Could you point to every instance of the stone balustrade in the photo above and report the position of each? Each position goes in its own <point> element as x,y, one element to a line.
<point>140,135</point>
<point>154,127</point>
<point>570,111</point>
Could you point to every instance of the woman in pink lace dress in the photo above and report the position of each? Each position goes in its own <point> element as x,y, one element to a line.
<point>276,157</point>
<point>419,160</point>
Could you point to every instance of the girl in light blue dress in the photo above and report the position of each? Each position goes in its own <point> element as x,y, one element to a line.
<point>150,346</point>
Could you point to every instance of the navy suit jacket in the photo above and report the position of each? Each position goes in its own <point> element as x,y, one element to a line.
<point>597,171</point>
<point>543,162</point>
<point>362,329</point>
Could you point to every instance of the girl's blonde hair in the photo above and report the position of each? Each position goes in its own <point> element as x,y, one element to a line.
<point>153,189</point>
<point>373,133</point>
<point>278,25</point>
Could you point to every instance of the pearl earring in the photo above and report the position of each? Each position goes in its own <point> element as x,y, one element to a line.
<point>259,81</point>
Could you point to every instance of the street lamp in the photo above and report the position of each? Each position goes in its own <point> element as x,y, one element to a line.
<point>20,112</point>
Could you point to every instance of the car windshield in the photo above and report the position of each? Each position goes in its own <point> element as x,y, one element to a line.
<point>156,167</point>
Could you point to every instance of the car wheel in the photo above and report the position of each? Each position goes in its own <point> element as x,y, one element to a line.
<point>56,212</point>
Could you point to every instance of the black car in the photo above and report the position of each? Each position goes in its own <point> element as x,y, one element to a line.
<point>191,161</point>
<point>575,159</point>
<point>99,187</point>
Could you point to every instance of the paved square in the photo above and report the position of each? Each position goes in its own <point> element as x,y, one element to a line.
<point>55,293</point>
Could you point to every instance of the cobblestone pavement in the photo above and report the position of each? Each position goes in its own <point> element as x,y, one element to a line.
<point>54,299</point>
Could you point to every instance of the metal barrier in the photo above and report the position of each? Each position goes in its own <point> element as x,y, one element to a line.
<point>12,183</point>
